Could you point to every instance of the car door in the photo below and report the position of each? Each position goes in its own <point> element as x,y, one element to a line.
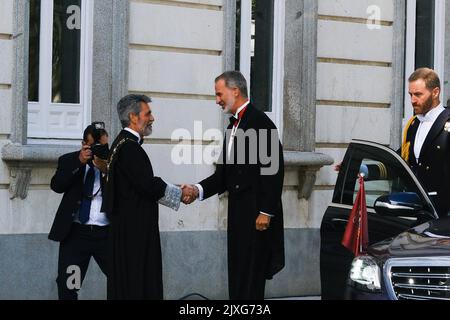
<point>385,173</point>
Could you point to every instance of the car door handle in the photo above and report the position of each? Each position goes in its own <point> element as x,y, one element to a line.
<point>339,220</point>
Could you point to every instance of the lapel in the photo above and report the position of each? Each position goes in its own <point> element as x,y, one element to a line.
<point>83,173</point>
<point>124,134</point>
<point>243,125</point>
<point>245,118</point>
<point>102,181</point>
<point>412,139</point>
<point>127,134</point>
<point>435,130</point>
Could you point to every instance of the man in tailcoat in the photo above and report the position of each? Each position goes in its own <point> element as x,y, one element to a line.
<point>426,140</point>
<point>254,183</point>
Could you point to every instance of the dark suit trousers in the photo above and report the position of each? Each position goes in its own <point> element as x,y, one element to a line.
<point>82,243</point>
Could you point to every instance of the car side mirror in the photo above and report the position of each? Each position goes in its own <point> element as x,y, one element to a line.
<point>406,204</point>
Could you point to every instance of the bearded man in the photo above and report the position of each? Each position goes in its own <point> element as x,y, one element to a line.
<point>426,140</point>
<point>131,203</point>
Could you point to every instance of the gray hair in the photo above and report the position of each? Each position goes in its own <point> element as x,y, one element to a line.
<point>234,79</point>
<point>130,104</point>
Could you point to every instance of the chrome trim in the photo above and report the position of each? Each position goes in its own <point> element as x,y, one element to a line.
<point>347,206</point>
<point>421,298</point>
<point>408,218</point>
<point>369,210</point>
<point>421,286</point>
<point>410,262</point>
<point>392,206</point>
<point>422,275</point>
<point>339,220</point>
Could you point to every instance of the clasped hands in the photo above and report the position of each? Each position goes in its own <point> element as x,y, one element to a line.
<point>190,193</point>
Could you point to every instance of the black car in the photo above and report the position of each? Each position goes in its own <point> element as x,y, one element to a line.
<point>409,248</point>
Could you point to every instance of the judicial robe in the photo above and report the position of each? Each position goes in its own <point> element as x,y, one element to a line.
<point>130,201</point>
<point>253,256</point>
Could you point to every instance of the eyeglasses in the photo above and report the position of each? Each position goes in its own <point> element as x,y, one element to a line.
<point>98,125</point>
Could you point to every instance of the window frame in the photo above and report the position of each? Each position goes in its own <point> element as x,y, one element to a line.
<point>110,83</point>
<point>439,47</point>
<point>44,135</point>
<point>276,115</point>
<point>356,152</point>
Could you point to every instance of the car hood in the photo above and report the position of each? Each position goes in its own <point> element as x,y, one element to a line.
<point>429,239</point>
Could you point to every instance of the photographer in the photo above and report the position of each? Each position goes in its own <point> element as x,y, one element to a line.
<point>79,226</point>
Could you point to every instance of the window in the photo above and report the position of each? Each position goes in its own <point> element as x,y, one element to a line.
<point>383,174</point>
<point>60,67</point>
<point>425,39</point>
<point>260,53</point>
<point>378,182</point>
<point>424,45</point>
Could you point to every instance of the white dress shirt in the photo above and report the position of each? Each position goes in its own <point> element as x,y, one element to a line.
<point>96,217</point>
<point>234,128</point>
<point>426,122</point>
<point>134,133</point>
<point>230,144</point>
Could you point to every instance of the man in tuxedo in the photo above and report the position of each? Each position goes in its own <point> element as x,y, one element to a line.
<point>426,140</point>
<point>255,214</point>
<point>132,194</point>
<point>80,226</point>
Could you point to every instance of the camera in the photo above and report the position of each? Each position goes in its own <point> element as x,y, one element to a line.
<point>99,150</point>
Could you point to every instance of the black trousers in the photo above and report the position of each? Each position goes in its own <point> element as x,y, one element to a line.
<point>75,252</point>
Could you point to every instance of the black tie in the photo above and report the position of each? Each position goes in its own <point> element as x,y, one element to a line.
<point>88,188</point>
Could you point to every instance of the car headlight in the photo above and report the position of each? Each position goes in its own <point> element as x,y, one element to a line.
<point>365,272</point>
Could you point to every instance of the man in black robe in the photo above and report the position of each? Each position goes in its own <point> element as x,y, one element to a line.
<point>255,213</point>
<point>131,200</point>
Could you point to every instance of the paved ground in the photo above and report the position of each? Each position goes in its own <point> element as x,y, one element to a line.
<point>298,298</point>
<point>196,296</point>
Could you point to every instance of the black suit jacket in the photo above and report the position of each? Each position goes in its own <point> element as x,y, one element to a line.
<point>433,166</point>
<point>68,179</point>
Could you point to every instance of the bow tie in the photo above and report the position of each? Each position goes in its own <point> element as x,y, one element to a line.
<point>423,118</point>
<point>431,115</point>
<point>233,121</point>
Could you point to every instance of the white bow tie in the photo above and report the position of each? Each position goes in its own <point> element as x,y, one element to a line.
<point>423,118</point>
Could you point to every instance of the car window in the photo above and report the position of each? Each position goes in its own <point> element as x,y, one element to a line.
<point>377,182</point>
<point>383,174</point>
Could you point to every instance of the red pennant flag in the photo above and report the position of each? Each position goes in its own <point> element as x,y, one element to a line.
<point>356,235</point>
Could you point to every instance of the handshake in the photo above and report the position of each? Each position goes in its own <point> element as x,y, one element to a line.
<point>190,193</point>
